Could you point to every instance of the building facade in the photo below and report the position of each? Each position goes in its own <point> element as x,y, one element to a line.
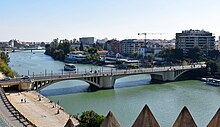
<point>130,46</point>
<point>87,40</point>
<point>113,46</point>
<point>195,38</point>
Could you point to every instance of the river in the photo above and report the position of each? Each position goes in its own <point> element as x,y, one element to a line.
<point>129,96</point>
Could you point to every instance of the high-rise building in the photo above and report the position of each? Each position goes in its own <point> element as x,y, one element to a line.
<point>195,38</point>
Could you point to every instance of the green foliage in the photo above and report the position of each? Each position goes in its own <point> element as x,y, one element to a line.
<point>81,47</point>
<point>58,50</point>
<point>88,56</point>
<point>5,69</point>
<point>92,50</point>
<point>150,57</point>
<point>134,54</point>
<point>171,54</point>
<point>211,67</point>
<point>184,63</point>
<point>133,66</point>
<point>4,56</point>
<point>214,54</point>
<point>90,119</point>
<point>195,54</point>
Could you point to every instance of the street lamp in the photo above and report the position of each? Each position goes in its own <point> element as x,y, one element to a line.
<point>145,44</point>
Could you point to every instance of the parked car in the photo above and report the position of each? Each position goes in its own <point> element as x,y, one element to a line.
<point>6,79</point>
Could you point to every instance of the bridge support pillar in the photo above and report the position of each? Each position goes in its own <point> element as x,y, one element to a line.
<point>163,76</point>
<point>104,82</point>
<point>25,86</point>
<point>107,82</point>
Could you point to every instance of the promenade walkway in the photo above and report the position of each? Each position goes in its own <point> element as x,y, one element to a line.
<point>42,113</point>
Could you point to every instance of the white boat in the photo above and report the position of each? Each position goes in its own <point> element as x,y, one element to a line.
<point>70,67</point>
<point>212,82</point>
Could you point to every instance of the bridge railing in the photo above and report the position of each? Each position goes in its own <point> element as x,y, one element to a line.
<point>113,71</point>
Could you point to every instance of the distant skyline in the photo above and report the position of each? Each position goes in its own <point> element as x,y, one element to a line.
<point>44,20</point>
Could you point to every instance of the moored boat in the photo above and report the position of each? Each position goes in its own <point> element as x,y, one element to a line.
<point>211,81</point>
<point>70,67</point>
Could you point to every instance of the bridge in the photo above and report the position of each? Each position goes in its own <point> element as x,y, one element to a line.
<point>100,79</point>
<point>31,49</point>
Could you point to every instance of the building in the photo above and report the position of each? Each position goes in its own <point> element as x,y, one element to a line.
<point>189,39</point>
<point>87,40</point>
<point>130,46</point>
<point>113,46</point>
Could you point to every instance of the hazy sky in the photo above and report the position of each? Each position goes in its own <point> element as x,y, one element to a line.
<point>44,20</point>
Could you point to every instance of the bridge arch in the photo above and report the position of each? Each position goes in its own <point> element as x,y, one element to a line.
<point>39,85</point>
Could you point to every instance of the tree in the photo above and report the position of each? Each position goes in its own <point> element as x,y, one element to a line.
<point>178,54</point>
<point>184,63</point>
<point>5,69</point>
<point>195,54</point>
<point>81,47</point>
<point>92,50</point>
<point>90,119</point>
<point>4,56</point>
<point>214,54</point>
<point>134,54</point>
<point>211,67</point>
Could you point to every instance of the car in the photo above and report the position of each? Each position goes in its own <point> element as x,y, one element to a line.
<point>6,79</point>
<point>25,77</point>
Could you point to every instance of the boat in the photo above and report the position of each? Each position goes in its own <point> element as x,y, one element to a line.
<point>211,81</point>
<point>69,67</point>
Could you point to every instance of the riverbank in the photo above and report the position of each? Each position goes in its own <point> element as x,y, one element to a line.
<point>43,112</point>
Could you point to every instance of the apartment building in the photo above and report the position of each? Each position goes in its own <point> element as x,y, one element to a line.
<point>195,38</point>
<point>130,46</point>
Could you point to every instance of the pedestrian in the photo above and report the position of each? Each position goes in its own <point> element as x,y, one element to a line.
<point>58,111</point>
<point>25,100</point>
<point>21,100</point>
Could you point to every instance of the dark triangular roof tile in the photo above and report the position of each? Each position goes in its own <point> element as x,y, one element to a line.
<point>184,119</point>
<point>146,119</point>
<point>69,123</point>
<point>215,122</point>
<point>110,121</point>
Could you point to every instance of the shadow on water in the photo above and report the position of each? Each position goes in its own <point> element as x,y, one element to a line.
<point>131,81</point>
<point>67,90</point>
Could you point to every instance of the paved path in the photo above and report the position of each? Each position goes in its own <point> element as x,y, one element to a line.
<point>41,113</point>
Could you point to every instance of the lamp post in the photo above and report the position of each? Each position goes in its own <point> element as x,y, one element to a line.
<point>145,44</point>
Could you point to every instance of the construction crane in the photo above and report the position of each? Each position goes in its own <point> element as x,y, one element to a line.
<point>145,43</point>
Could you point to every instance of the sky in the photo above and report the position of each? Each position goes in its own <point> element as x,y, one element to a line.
<point>44,20</point>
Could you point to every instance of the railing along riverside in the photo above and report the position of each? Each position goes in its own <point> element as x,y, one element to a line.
<point>5,120</point>
<point>13,110</point>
